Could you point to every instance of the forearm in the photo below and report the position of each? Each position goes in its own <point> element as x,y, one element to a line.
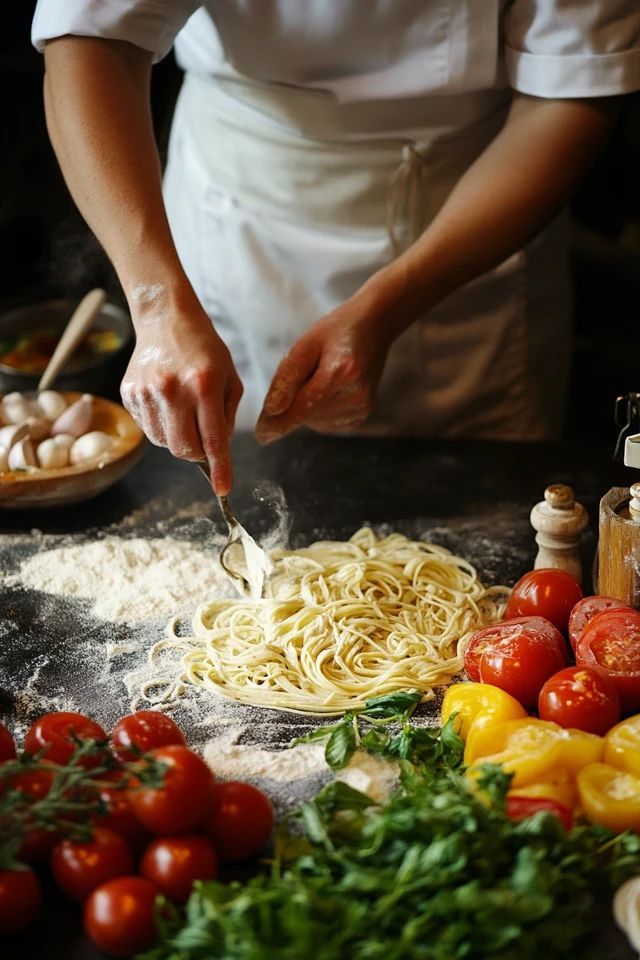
<point>517,185</point>
<point>99,120</point>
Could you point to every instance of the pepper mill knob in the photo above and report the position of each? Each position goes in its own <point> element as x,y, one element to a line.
<point>559,521</point>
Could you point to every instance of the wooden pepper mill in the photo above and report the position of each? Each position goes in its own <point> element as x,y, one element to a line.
<point>559,521</point>
<point>619,550</point>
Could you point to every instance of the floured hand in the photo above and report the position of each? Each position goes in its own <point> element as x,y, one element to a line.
<point>181,386</point>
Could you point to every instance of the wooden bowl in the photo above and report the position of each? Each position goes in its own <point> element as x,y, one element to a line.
<point>63,485</point>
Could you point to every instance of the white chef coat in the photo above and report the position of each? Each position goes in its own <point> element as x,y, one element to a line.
<point>301,122</point>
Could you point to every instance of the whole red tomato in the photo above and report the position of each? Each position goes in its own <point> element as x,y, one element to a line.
<point>7,746</point>
<point>37,842</point>
<point>173,863</point>
<point>588,608</point>
<point>20,899</point>
<point>584,698</point>
<point>240,822</point>
<point>183,802</point>
<point>612,641</point>
<point>121,818</point>
<point>520,664</point>
<point>537,628</point>
<point>143,731</point>
<point>547,593</point>
<point>119,916</point>
<point>78,868</point>
<point>53,734</point>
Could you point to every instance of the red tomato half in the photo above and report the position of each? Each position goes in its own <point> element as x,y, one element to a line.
<point>7,746</point>
<point>612,641</point>
<point>173,863</point>
<point>20,899</point>
<point>584,698</point>
<point>183,802</point>
<point>521,808</point>
<point>547,593</point>
<point>586,609</point>
<point>119,916</point>
<point>535,627</point>
<point>144,730</point>
<point>241,820</point>
<point>52,734</point>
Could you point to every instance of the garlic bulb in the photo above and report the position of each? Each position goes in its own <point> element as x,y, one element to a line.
<point>38,428</point>
<point>4,460</point>
<point>16,408</point>
<point>53,453</point>
<point>12,433</point>
<point>90,445</point>
<point>21,455</point>
<point>76,419</point>
<point>51,404</point>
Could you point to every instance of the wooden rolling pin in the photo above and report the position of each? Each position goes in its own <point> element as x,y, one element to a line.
<point>619,549</point>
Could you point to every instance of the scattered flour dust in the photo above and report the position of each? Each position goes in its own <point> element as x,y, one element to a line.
<point>228,758</point>
<point>127,579</point>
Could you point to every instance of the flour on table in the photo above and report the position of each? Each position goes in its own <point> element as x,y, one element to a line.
<point>127,579</point>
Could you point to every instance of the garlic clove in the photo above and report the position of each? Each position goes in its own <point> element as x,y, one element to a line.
<point>16,407</point>
<point>51,404</point>
<point>12,434</point>
<point>90,445</point>
<point>22,455</point>
<point>66,440</point>
<point>38,428</point>
<point>4,460</point>
<point>76,419</point>
<point>53,453</point>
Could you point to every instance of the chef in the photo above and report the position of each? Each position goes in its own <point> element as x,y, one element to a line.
<point>361,223</point>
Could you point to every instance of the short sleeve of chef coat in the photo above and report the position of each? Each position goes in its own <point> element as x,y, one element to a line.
<point>573,48</point>
<point>150,24</point>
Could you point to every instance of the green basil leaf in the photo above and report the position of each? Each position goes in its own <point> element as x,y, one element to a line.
<point>340,746</point>
<point>392,704</point>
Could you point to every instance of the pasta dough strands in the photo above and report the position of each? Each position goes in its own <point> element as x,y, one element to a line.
<point>341,622</point>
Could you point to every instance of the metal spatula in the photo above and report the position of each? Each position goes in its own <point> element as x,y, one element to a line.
<point>245,563</point>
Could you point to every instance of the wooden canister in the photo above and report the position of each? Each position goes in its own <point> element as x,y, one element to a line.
<point>619,548</point>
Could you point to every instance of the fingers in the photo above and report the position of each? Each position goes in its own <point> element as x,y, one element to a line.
<point>296,368</point>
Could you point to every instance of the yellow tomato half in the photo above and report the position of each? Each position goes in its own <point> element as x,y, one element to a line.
<point>610,797</point>
<point>527,748</point>
<point>622,746</point>
<point>478,705</point>
<point>558,785</point>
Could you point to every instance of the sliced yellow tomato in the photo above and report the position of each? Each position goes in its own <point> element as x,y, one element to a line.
<point>527,748</point>
<point>622,746</point>
<point>579,749</point>
<point>610,797</point>
<point>478,705</point>
<point>558,785</point>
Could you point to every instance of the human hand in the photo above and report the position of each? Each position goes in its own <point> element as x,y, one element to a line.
<point>328,379</point>
<point>181,387</point>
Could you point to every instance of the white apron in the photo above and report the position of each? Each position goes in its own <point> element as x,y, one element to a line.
<point>282,202</point>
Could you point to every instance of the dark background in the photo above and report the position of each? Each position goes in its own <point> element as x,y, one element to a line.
<point>46,249</point>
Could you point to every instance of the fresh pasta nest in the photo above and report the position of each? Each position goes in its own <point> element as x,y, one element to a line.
<point>341,622</point>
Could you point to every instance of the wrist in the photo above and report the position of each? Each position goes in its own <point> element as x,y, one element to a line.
<point>154,299</point>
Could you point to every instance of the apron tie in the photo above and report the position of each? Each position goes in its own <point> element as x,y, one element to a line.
<point>404,194</point>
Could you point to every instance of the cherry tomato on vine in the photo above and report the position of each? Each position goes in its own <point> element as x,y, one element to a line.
<point>612,641</point>
<point>240,822</point>
<point>7,746</point>
<point>53,734</point>
<point>78,868</point>
<point>36,843</point>
<point>521,808</point>
<point>182,803</point>
<point>536,628</point>
<point>119,916</point>
<point>582,698</point>
<point>145,730</point>
<point>548,593</point>
<point>173,863</point>
<point>121,818</point>
<point>20,899</point>
<point>588,608</point>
